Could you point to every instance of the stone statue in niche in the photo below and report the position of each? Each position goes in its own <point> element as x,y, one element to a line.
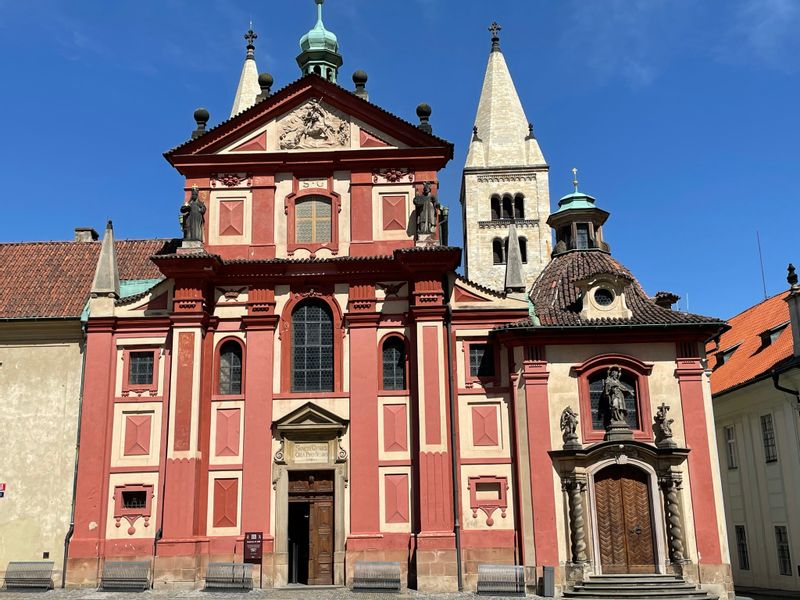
<point>663,428</point>
<point>615,391</point>
<point>313,126</point>
<point>427,206</point>
<point>192,218</point>
<point>569,426</point>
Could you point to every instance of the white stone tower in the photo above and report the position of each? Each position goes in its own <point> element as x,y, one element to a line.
<point>505,183</point>
<point>248,89</point>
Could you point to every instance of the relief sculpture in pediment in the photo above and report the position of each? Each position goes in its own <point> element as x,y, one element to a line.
<point>314,126</point>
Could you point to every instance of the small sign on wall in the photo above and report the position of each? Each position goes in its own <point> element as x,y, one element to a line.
<point>2,489</point>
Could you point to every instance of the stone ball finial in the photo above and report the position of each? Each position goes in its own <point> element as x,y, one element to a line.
<point>265,81</point>
<point>201,116</point>
<point>360,78</point>
<point>424,113</point>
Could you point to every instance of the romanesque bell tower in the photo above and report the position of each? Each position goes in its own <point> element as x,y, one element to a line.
<point>505,194</point>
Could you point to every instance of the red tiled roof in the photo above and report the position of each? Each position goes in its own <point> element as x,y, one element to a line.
<point>53,279</point>
<point>751,359</point>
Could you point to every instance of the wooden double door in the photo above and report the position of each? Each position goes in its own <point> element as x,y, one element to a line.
<point>311,527</point>
<point>624,520</point>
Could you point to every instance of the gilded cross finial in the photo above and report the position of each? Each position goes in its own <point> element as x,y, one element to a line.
<point>575,178</point>
<point>495,29</point>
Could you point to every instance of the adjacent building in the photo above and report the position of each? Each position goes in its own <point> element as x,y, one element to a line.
<point>755,378</point>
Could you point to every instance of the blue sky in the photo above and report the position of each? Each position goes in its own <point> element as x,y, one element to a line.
<point>682,116</point>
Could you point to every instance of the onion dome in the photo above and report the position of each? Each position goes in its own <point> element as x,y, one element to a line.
<point>320,50</point>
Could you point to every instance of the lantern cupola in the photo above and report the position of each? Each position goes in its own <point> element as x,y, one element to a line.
<point>578,223</point>
<point>320,50</point>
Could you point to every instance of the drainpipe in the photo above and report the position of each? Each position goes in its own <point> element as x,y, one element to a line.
<point>453,460</point>
<point>163,475</point>
<point>71,530</point>
<point>775,381</point>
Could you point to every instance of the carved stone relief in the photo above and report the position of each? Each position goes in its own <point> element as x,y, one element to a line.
<point>313,125</point>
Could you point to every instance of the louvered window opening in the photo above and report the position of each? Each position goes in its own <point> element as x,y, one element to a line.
<point>394,364</point>
<point>140,370</point>
<point>312,348</point>
<point>230,369</point>
<point>313,220</point>
<point>481,360</point>
<point>768,437</point>
<point>599,401</point>
<point>741,548</point>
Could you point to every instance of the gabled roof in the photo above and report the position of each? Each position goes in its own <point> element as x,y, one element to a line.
<point>556,295</point>
<point>54,279</point>
<point>751,359</point>
<point>294,94</point>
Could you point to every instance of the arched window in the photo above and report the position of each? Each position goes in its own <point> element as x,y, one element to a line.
<point>394,364</point>
<point>498,252</point>
<point>230,368</point>
<point>598,398</point>
<point>495,208</point>
<point>317,70</point>
<point>313,220</point>
<point>519,210</point>
<point>312,347</point>
<point>523,249</point>
<point>508,208</point>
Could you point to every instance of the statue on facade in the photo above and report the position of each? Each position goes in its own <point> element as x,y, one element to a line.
<point>569,426</point>
<point>615,392</point>
<point>192,218</point>
<point>663,428</point>
<point>427,206</point>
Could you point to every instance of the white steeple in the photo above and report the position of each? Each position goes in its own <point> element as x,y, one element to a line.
<point>105,285</point>
<point>248,89</point>
<point>505,195</point>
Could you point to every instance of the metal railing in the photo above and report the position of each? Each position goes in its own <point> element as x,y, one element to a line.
<point>372,576</point>
<point>501,580</point>
<point>229,576</point>
<point>127,576</point>
<point>34,575</point>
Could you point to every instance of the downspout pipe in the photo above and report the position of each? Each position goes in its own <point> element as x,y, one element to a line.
<point>71,530</point>
<point>453,440</point>
<point>776,382</point>
<point>160,531</point>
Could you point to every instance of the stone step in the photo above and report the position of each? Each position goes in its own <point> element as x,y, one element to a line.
<point>613,585</point>
<point>634,594</point>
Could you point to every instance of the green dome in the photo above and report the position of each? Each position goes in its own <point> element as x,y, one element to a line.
<point>575,200</point>
<point>319,38</point>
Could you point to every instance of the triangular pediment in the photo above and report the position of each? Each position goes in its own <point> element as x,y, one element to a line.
<point>309,115</point>
<point>310,418</point>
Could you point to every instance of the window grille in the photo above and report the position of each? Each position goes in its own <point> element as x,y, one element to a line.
<point>598,399</point>
<point>140,370</point>
<point>230,368</point>
<point>134,500</point>
<point>313,220</point>
<point>394,364</point>
<point>481,360</point>
<point>768,437</point>
<point>730,447</point>
<point>312,348</point>
<point>784,556</point>
<point>741,548</point>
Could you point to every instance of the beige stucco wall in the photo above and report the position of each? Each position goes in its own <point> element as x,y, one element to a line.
<point>760,495</point>
<point>40,371</point>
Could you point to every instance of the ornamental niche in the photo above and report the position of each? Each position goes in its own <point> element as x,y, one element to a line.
<point>313,126</point>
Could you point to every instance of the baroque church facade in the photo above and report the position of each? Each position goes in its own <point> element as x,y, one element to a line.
<point>309,365</point>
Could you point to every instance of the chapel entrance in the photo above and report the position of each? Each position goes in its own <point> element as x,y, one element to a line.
<point>624,520</point>
<point>310,527</point>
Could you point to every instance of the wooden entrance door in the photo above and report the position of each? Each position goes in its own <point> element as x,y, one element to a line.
<point>624,520</point>
<point>313,490</point>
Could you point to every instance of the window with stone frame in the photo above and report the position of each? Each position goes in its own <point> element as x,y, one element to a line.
<point>495,206</point>
<point>730,447</point>
<point>498,252</point>
<point>599,401</point>
<point>230,369</point>
<point>784,554</point>
<point>768,438</point>
<point>313,220</point>
<point>523,249</point>
<point>140,367</point>
<point>519,206</point>
<point>312,347</point>
<point>481,360</point>
<point>741,548</point>
<point>394,364</point>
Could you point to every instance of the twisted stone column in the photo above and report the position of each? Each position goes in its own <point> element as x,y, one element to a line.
<point>671,485</point>
<point>575,486</point>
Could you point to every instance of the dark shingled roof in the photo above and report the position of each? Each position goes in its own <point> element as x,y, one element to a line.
<point>556,297</point>
<point>54,279</point>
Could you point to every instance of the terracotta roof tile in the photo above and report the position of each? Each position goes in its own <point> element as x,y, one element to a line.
<point>752,358</point>
<point>53,279</point>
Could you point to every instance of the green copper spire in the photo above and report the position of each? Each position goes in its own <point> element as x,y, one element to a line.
<point>320,50</point>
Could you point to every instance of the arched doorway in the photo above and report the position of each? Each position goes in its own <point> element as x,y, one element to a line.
<point>623,510</point>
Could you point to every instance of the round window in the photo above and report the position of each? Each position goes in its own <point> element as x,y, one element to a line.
<point>603,297</point>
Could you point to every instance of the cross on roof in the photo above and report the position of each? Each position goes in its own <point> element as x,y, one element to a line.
<point>250,36</point>
<point>495,29</point>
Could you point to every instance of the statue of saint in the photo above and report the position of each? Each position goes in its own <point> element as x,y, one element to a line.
<point>569,426</point>
<point>615,391</point>
<point>427,206</point>
<point>192,218</point>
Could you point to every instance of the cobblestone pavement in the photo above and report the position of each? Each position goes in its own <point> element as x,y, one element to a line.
<point>294,593</point>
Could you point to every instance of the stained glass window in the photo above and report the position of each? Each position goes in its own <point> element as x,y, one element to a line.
<point>312,348</point>
<point>599,402</point>
<point>140,371</point>
<point>313,220</point>
<point>394,364</point>
<point>230,368</point>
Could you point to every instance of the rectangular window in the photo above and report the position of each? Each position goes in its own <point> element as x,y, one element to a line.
<point>134,499</point>
<point>784,557</point>
<point>741,548</point>
<point>313,220</point>
<point>582,240</point>
<point>730,447</point>
<point>140,371</point>
<point>768,436</point>
<point>481,360</point>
